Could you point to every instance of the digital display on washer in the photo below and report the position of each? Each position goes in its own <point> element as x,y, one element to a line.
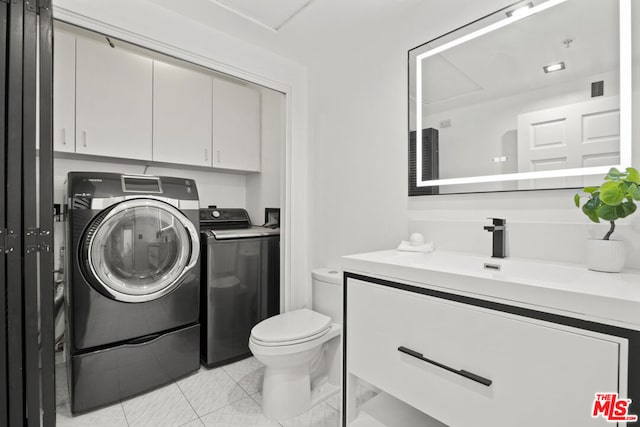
<point>138,184</point>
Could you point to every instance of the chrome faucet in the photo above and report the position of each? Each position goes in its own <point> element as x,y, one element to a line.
<point>497,229</point>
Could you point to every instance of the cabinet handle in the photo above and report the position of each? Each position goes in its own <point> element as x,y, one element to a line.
<point>462,372</point>
<point>217,156</point>
<point>206,155</point>
<point>64,136</point>
<point>84,138</point>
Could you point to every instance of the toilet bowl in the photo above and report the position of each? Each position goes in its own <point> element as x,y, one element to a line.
<point>300,346</point>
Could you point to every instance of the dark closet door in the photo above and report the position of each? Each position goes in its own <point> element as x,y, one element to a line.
<point>27,391</point>
<point>4,25</point>
<point>13,212</point>
<point>45,216</point>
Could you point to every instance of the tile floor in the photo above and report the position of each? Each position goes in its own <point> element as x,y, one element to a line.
<point>225,396</point>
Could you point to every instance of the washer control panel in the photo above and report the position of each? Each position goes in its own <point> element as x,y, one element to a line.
<point>214,217</point>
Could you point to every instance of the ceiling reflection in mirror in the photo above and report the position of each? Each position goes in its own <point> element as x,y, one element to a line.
<point>491,117</point>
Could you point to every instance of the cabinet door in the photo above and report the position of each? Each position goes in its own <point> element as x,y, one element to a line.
<point>64,91</point>
<point>236,126</point>
<point>439,356</point>
<point>181,115</point>
<point>113,101</point>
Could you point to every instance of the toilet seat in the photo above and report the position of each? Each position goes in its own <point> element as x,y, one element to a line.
<point>259,348</point>
<point>293,327</point>
<point>291,342</point>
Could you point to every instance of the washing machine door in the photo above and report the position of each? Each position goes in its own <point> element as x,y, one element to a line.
<point>139,250</point>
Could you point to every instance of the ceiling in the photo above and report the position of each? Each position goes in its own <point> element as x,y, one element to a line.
<point>270,14</point>
<point>319,28</point>
<point>317,31</point>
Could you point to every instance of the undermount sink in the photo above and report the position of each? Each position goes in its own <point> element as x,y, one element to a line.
<point>476,265</point>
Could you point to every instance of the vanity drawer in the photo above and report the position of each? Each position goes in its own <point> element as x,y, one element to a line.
<point>468,366</point>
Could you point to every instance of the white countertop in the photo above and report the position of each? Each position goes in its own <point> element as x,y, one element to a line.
<point>566,289</point>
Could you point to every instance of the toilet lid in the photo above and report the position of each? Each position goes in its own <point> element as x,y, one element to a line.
<point>291,326</point>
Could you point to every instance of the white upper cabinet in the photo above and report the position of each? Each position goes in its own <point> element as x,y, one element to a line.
<point>181,115</point>
<point>236,126</point>
<point>113,101</point>
<point>110,101</point>
<point>64,91</point>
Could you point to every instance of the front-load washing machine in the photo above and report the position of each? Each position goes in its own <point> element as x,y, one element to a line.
<point>133,285</point>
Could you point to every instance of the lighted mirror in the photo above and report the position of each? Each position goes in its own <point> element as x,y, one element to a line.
<point>534,96</point>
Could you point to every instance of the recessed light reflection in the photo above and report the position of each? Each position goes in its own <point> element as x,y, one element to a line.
<point>553,67</point>
<point>520,11</point>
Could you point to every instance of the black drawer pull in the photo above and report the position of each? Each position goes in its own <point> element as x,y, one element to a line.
<point>462,372</point>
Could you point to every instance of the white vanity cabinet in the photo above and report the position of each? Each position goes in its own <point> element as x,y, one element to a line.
<point>236,126</point>
<point>113,101</point>
<point>467,365</point>
<point>181,115</point>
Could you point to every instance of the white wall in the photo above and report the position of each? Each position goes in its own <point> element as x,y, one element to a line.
<point>358,159</point>
<point>214,188</point>
<point>263,189</point>
<point>358,129</point>
<point>358,153</point>
<point>144,23</point>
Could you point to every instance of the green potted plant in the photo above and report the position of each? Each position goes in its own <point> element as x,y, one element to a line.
<point>612,200</point>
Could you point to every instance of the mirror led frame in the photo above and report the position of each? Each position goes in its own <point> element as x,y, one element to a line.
<point>625,102</point>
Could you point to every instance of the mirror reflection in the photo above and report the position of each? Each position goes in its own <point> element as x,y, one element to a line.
<point>537,95</point>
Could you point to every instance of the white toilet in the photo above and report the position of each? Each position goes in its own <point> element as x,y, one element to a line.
<point>301,349</point>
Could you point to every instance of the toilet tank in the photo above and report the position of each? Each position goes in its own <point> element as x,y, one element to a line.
<point>327,292</point>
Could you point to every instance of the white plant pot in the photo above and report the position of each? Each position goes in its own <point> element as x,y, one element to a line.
<point>606,255</point>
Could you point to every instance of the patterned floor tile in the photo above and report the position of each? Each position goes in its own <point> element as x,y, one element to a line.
<point>166,406</point>
<point>257,397</point>
<point>335,401</point>
<point>323,392</point>
<point>248,373</point>
<point>322,415</point>
<point>209,390</point>
<point>194,423</point>
<point>245,412</point>
<point>364,393</point>
<point>59,357</point>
